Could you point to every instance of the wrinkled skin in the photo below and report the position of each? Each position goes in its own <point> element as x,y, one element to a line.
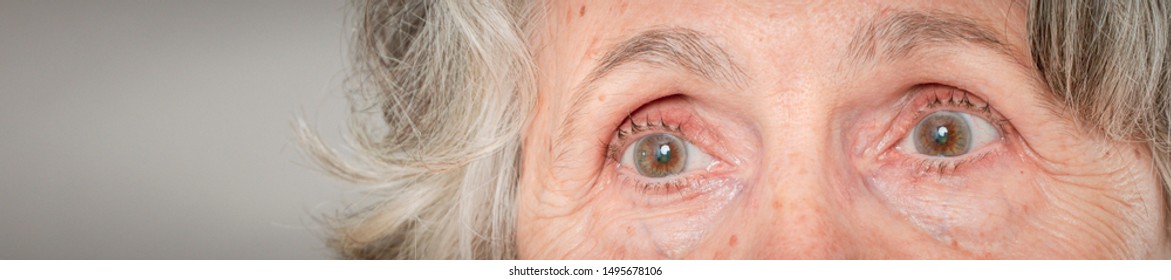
<point>807,151</point>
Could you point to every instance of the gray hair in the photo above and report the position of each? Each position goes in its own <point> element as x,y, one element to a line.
<point>1109,62</point>
<point>449,85</point>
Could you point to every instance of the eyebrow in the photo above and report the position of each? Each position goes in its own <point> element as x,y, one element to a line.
<point>900,34</point>
<point>891,37</point>
<point>672,48</point>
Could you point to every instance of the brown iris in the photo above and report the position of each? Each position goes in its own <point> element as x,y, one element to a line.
<point>942,134</point>
<point>660,155</point>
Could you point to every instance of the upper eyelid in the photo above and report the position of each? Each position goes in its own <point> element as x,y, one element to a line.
<point>917,104</point>
<point>932,102</point>
<point>982,111</point>
<point>635,127</point>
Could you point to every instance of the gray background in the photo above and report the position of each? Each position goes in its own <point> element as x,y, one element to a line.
<point>162,129</point>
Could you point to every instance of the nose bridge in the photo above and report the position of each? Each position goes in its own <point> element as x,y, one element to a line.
<point>802,205</point>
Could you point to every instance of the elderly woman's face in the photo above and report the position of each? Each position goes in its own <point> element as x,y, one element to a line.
<point>716,129</point>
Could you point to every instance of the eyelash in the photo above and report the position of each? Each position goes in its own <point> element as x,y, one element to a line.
<point>958,100</point>
<point>929,99</point>
<point>630,127</point>
<point>631,130</point>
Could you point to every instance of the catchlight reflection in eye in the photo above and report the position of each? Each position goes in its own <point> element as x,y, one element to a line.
<point>949,134</point>
<point>663,155</point>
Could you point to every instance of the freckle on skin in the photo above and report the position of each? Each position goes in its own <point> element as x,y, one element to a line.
<point>581,12</point>
<point>732,241</point>
<point>629,231</point>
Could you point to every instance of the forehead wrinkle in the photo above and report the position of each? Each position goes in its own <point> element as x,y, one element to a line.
<point>671,48</point>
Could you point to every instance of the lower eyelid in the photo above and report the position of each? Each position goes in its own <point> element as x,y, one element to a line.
<point>676,189</point>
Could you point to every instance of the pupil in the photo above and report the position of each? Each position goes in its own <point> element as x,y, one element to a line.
<point>664,154</point>
<point>943,133</point>
<point>660,155</point>
<point>940,136</point>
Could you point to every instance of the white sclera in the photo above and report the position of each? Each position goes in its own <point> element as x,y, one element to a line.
<point>696,158</point>
<point>982,132</point>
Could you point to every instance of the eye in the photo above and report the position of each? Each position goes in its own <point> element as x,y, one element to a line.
<point>949,134</point>
<point>663,155</point>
